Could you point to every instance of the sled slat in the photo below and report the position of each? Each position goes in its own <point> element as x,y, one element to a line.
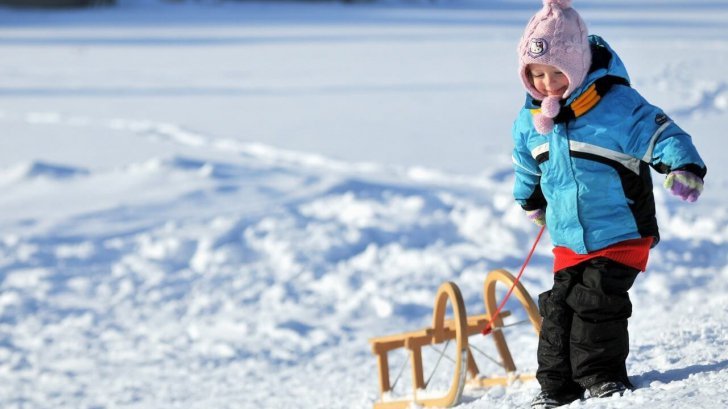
<point>390,342</point>
<point>424,336</point>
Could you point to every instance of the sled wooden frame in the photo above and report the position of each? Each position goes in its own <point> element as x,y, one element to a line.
<point>457,328</point>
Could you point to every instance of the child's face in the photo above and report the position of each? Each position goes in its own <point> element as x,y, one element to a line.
<point>548,79</point>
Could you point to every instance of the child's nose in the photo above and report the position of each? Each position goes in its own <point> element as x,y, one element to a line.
<point>551,83</point>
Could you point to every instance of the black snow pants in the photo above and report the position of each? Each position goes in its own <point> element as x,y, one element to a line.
<point>584,338</point>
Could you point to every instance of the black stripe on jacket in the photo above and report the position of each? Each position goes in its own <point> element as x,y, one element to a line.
<point>637,189</point>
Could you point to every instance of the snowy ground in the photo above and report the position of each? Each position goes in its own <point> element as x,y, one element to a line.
<point>215,205</point>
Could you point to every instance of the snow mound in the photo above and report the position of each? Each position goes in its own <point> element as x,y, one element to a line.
<point>40,170</point>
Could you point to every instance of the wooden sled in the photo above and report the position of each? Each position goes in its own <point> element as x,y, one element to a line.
<point>458,328</point>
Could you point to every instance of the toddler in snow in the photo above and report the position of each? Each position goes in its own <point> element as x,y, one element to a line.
<point>584,145</point>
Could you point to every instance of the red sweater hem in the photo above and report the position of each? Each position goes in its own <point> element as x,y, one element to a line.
<point>632,253</point>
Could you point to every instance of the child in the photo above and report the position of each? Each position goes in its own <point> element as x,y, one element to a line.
<point>584,144</point>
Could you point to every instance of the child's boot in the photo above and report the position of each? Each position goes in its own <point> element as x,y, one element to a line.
<point>549,400</point>
<point>606,389</point>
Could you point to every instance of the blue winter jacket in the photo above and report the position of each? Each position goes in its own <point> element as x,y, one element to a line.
<point>592,172</point>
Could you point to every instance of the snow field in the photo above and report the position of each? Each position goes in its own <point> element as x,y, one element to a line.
<point>218,208</point>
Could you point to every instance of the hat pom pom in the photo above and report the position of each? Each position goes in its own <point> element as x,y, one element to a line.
<point>550,106</point>
<point>564,4</point>
<point>543,124</point>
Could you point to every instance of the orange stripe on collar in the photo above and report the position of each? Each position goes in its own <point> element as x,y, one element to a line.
<point>582,104</point>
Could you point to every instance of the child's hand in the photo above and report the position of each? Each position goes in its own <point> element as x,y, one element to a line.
<point>537,216</point>
<point>684,184</point>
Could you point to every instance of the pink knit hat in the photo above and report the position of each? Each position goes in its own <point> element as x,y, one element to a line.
<point>557,36</point>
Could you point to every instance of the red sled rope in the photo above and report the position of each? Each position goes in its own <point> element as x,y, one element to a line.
<point>488,327</point>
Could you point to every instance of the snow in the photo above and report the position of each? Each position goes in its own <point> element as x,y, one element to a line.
<point>215,204</point>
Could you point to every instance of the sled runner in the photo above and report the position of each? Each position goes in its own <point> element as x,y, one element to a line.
<point>456,328</point>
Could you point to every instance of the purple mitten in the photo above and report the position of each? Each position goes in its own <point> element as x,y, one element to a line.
<point>684,184</point>
<point>537,216</point>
